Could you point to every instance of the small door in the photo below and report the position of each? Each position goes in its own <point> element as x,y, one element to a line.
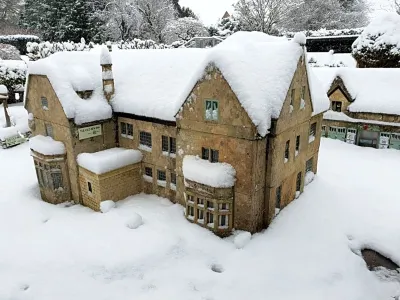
<point>369,139</point>
<point>341,133</point>
<point>395,141</point>
<point>332,132</point>
<point>351,136</point>
<point>384,140</point>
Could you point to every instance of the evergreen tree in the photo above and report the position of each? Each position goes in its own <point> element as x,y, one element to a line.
<point>182,11</point>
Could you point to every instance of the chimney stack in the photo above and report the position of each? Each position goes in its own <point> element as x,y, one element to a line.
<point>107,74</point>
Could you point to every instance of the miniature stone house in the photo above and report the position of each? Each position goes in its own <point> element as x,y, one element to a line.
<point>364,109</point>
<point>258,130</point>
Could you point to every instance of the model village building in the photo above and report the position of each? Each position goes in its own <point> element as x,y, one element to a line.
<point>364,106</point>
<point>230,133</point>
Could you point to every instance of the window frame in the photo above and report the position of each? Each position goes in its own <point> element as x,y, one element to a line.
<point>299,181</point>
<point>49,130</point>
<point>335,105</point>
<point>212,155</point>
<point>146,173</point>
<point>278,197</point>
<point>161,175</point>
<point>298,141</point>
<point>309,165</point>
<point>145,139</point>
<point>211,102</point>
<point>173,178</point>
<point>168,145</point>
<point>44,102</point>
<point>89,188</point>
<point>313,129</point>
<point>287,151</point>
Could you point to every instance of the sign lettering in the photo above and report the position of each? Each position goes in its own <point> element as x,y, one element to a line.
<point>89,132</point>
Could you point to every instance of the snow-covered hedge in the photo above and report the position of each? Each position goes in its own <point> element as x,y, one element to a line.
<point>379,44</point>
<point>12,75</point>
<point>37,51</point>
<point>9,52</point>
<point>326,33</point>
<point>19,41</point>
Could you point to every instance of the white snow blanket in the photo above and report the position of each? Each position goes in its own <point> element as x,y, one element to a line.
<point>374,90</point>
<point>219,175</point>
<point>339,116</point>
<point>46,145</point>
<point>108,160</point>
<point>155,83</point>
<point>331,59</point>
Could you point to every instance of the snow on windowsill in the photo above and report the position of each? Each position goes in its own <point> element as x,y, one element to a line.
<point>45,108</point>
<point>172,186</point>
<point>286,160</point>
<point>127,136</point>
<point>302,104</point>
<point>296,153</point>
<point>144,148</point>
<point>297,194</point>
<point>148,178</point>
<point>223,227</point>
<point>162,183</point>
<point>168,154</point>
<point>291,108</point>
<point>200,221</point>
<point>190,217</point>
<point>309,178</point>
<point>311,139</point>
<point>211,225</point>
<point>210,208</point>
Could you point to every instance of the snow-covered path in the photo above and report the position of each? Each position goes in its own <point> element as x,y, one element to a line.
<point>57,252</point>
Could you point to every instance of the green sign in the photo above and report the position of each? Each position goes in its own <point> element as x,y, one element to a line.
<point>14,140</point>
<point>89,132</point>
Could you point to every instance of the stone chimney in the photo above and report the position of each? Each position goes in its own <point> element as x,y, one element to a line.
<point>107,74</point>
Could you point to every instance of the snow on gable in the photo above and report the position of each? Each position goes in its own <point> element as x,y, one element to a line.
<point>319,97</point>
<point>70,72</point>
<point>109,160</point>
<point>219,175</point>
<point>373,90</point>
<point>259,68</point>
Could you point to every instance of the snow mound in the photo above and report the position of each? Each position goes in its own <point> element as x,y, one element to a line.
<point>300,38</point>
<point>219,175</point>
<point>106,206</point>
<point>108,160</point>
<point>46,145</point>
<point>135,221</point>
<point>8,132</point>
<point>309,178</point>
<point>242,239</point>
<point>105,57</point>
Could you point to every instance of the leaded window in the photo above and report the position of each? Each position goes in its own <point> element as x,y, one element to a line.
<point>210,204</point>
<point>123,128</point>
<point>161,175</point>
<point>49,130</point>
<point>148,171</point>
<point>212,110</point>
<point>168,144</point>
<point>200,215</point>
<point>298,182</point>
<point>190,211</point>
<point>129,128</point>
<point>145,139</point>
<point>287,149</point>
<point>309,165</point>
<point>223,220</point>
<point>298,143</point>
<point>313,129</point>
<point>173,178</point>
<point>278,197</point>
<point>210,218</point>
<point>211,155</point>
<point>45,103</point>
<point>205,153</point>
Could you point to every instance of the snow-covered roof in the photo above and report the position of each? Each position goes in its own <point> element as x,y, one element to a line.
<point>46,145</point>
<point>339,116</point>
<point>109,160</point>
<point>155,83</point>
<point>219,175</point>
<point>373,90</point>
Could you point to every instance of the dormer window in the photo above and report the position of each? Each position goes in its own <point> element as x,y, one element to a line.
<point>212,110</point>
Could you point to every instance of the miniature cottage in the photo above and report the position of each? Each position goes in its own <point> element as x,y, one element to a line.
<point>229,133</point>
<point>364,106</point>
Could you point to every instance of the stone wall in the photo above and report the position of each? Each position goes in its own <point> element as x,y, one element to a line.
<point>337,95</point>
<point>154,158</point>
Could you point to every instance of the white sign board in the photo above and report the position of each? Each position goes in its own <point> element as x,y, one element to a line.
<point>89,132</point>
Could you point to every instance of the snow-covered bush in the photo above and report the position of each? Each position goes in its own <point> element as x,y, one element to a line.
<point>323,32</point>
<point>19,41</point>
<point>183,29</point>
<point>379,44</point>
<point>9,52</point>
<point>226,27</point>
<point>12,76</point>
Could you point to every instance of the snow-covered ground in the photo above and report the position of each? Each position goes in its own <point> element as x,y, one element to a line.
<point>62,252</point>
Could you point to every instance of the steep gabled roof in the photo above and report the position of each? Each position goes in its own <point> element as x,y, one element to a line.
<point>155,83</point>
<point>373,90</point>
